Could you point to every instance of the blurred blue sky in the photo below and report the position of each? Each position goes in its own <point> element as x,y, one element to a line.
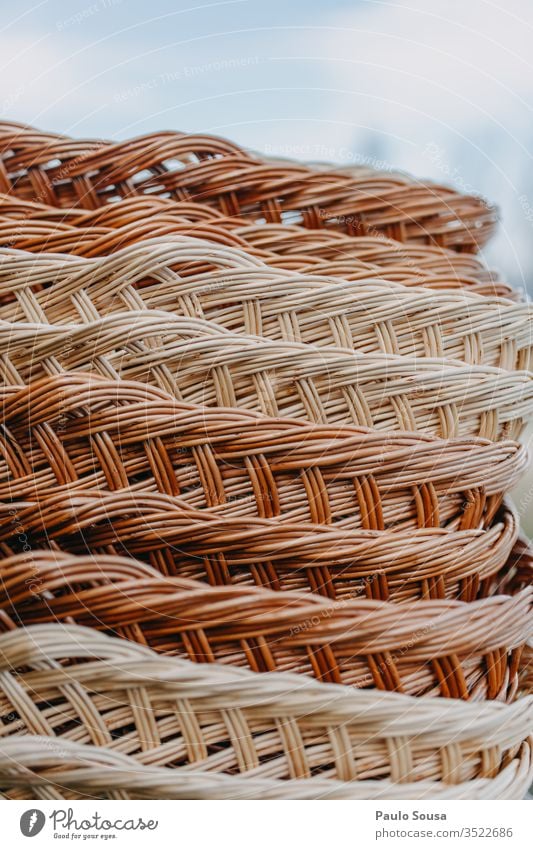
<point>441,88</point>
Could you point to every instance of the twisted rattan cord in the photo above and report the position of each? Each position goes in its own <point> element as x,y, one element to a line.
<point>62,172</point>
<point>200,363</point>
<point>330,560</point>
<point>78,686</point>
<point>244,295</point>
<point>33,768</point>
<point>88,431</point>
<point>430,647</point>
<point>36,227</point>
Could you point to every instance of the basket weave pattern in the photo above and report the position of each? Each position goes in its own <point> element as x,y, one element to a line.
<point>37,227</point>
<point>449,648</point>
<point>200,363</point>
<point>91,432</point>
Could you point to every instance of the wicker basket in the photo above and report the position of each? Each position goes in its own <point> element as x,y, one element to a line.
<point>84,431</point>
<point>62,172</point>
<point>36,227</point>
<point>245,296</point>
<point>112,717</point>
<point>447,648</point>
<point>201,363</point>
<point>331,560</point>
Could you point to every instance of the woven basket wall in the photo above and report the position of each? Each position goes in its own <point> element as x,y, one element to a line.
<point>448,648</point>
<point>177,539</point>
<point>37,768</point>
<point>62,172</point>
<point>88,431</point>
<point>166,728</point>
<point>244,295</point>
<point>200,363</point>
<point>222,477</point>
<point>239,454</point>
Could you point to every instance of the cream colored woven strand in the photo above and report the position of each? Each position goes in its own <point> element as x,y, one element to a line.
<point>242,294</point>
<point>38,768</point>
<point>131,709</point>
<point>199,362</point>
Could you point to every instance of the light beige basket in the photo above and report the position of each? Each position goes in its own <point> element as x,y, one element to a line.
<point>200,363</point>
<point>111,717</point>
<point>201,544</point>
<point>38,768</point>
<point>244,295</point>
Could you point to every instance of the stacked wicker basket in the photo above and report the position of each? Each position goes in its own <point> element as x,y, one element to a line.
<point>259,423</point>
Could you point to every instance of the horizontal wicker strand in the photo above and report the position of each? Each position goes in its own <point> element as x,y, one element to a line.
<point>40,228</point>
<point>331,560</point>
<point>200,363</point>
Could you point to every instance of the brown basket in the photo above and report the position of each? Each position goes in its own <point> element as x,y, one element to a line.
<point>62,172</point>
<point>85,714</point>
<point>79,430</point>
<point>210,546</point>
<point>36,227</point>
<point>447,648</point>
<point>200,363</point>
<point>245,296</point>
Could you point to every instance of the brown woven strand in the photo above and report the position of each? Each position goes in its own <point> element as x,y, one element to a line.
<point>245,296</point>
<point>62,172</point>
<point>117,704</point>
<point>445,648</point>
<point>79,430</point>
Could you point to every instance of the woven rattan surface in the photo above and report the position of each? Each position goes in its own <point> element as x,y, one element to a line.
<point>447,648</point>
<point>355,531</point>
<point>76,686</point>
<point>37,227</point>
<point>79,430</point>
<point>62,172</point>
<point>246,296</point>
